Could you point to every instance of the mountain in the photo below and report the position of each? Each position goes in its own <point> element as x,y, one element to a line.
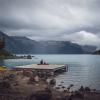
<point>10,44</point>
<point>97,52</point>
<point>22,45</point>
<point>18,44</point>
<point>58,47</point>
<point>3,52</point>
<point>47,47</point>
<point>2,42</point>
<point>89,48</point>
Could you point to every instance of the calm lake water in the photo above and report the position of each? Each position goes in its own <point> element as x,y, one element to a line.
<point>82,69</point>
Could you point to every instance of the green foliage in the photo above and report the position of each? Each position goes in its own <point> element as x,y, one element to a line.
<point>4,54</point>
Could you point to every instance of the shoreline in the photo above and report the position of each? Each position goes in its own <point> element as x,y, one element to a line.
<point>25,84</point>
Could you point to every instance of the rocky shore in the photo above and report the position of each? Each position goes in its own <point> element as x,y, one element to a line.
<point>19,85</point>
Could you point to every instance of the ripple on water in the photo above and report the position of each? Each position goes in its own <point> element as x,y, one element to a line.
<point>82,69</point>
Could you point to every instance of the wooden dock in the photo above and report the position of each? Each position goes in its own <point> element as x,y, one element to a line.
<point>50,69</point>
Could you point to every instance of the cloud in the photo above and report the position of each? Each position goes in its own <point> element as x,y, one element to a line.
<point>52,19</point>
<point>83,38</point>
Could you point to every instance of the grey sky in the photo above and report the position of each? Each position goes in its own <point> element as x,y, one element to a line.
<point>73,20</point>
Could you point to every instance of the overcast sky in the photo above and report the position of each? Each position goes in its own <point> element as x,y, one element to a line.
<point>71,20</point>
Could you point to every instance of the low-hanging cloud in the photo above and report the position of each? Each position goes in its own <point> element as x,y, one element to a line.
<point>73,20</point>
<point>83,38</point>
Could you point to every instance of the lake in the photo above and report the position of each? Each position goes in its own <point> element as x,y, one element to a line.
<point>82,69</point>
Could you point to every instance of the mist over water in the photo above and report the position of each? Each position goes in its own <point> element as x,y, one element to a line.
<point>82,69</point>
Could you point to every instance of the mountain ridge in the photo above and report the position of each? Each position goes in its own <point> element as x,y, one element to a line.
<point>22,45</point>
